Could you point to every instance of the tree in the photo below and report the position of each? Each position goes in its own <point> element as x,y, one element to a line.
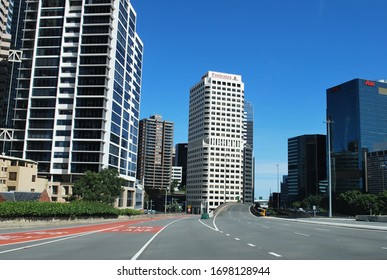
<point>357,203</point>
<point>382,202</point>
<point>104,186</point>
<point>173,186</point>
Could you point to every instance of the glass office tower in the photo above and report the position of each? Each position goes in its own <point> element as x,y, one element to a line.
<point>306,166</point>
<point>77,92</point>
<point>358,111</point>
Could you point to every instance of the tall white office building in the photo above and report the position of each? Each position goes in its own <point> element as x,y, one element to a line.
<point>215,141</point>
<point>77,92</point>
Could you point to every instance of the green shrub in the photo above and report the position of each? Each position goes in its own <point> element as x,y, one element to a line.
<point>129,212</point>
<point>74,209</point>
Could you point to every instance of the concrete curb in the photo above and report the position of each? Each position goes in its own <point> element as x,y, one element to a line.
<point>336,224</point>
<point>382,219</point>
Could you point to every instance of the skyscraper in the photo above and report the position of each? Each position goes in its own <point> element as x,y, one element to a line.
<point>155,151</point>
<point>77,92</point>
<point>306,166</point>
<point>5,44</point>
<point>248,169</point>
<point>181,160</point>
<point>357,110</point>
<point>215,141</point>
<point>14,29</point>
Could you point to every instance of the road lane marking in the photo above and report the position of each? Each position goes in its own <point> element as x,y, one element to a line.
<point>10,237</point>
<point>204,224</point>
<point>38,236</point>
<point>275,255</point>
<point>138,229</point>
<point>303,234</point>
<point>237,238</point>
<point>322,229</point>
<point>57,240</point>
<point>265,226</point>
<point>384,248</point>
<point>216,215</point>
<point>251,245</point>
<point>152,238</point>
<point>227,234</point>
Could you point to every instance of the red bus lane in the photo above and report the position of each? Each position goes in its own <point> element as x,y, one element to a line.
<point>132,227</point>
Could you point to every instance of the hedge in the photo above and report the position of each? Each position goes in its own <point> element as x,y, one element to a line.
<point>72,210</point>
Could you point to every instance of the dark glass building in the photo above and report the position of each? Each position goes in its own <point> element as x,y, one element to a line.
<point>357,110</point>
<point>181,160</point>
<point>248,154</point>
<point>306,166</point>
<point>376,172</point>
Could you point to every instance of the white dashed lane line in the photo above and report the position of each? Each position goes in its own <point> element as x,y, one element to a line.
<point>251,245</point>
<point>275,255</point>
<point>302,234</point>
<point>322,229</point>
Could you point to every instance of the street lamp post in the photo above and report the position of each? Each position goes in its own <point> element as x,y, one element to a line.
<point>383,166</point>
<point>166,193</point>
<point>278,188</point>
<point>225,161</point>
<point>329,166</point>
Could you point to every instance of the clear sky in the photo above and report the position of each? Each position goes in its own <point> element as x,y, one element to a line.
<point>288,53</point>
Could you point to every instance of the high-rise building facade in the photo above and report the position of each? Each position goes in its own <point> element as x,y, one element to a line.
<point>155,150</point>
<point>15,28</point>
<point>77,90</point>
<point>306,166</point>
<point>5,44</point>
<point>181,160</point>
<point>357,111</point>
<point>216,141</point>
<point>248,169</point>
<point>376,172</point>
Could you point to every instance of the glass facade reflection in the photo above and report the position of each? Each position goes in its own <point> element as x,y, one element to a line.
<point>358,109</point>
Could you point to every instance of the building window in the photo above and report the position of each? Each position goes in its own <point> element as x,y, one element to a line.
<point>129,201</point>
<point>12,176</point>
<point>11,188</point>
<point>33,178</point>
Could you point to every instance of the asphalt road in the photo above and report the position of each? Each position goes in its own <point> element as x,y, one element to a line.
<point>233,234</point>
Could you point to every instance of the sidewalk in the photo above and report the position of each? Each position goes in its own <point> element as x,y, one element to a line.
<point>340,222</point>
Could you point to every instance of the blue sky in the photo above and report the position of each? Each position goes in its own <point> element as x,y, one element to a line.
<point>288,53</point>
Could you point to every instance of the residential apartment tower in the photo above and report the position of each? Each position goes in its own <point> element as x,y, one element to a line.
<point>76,96</point>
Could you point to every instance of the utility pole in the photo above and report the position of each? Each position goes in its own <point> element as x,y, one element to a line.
<point>225,172</point>
<point>166,194</point>
<point>329,166</point>
<point>383,166</point>
<point>278,188</point>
